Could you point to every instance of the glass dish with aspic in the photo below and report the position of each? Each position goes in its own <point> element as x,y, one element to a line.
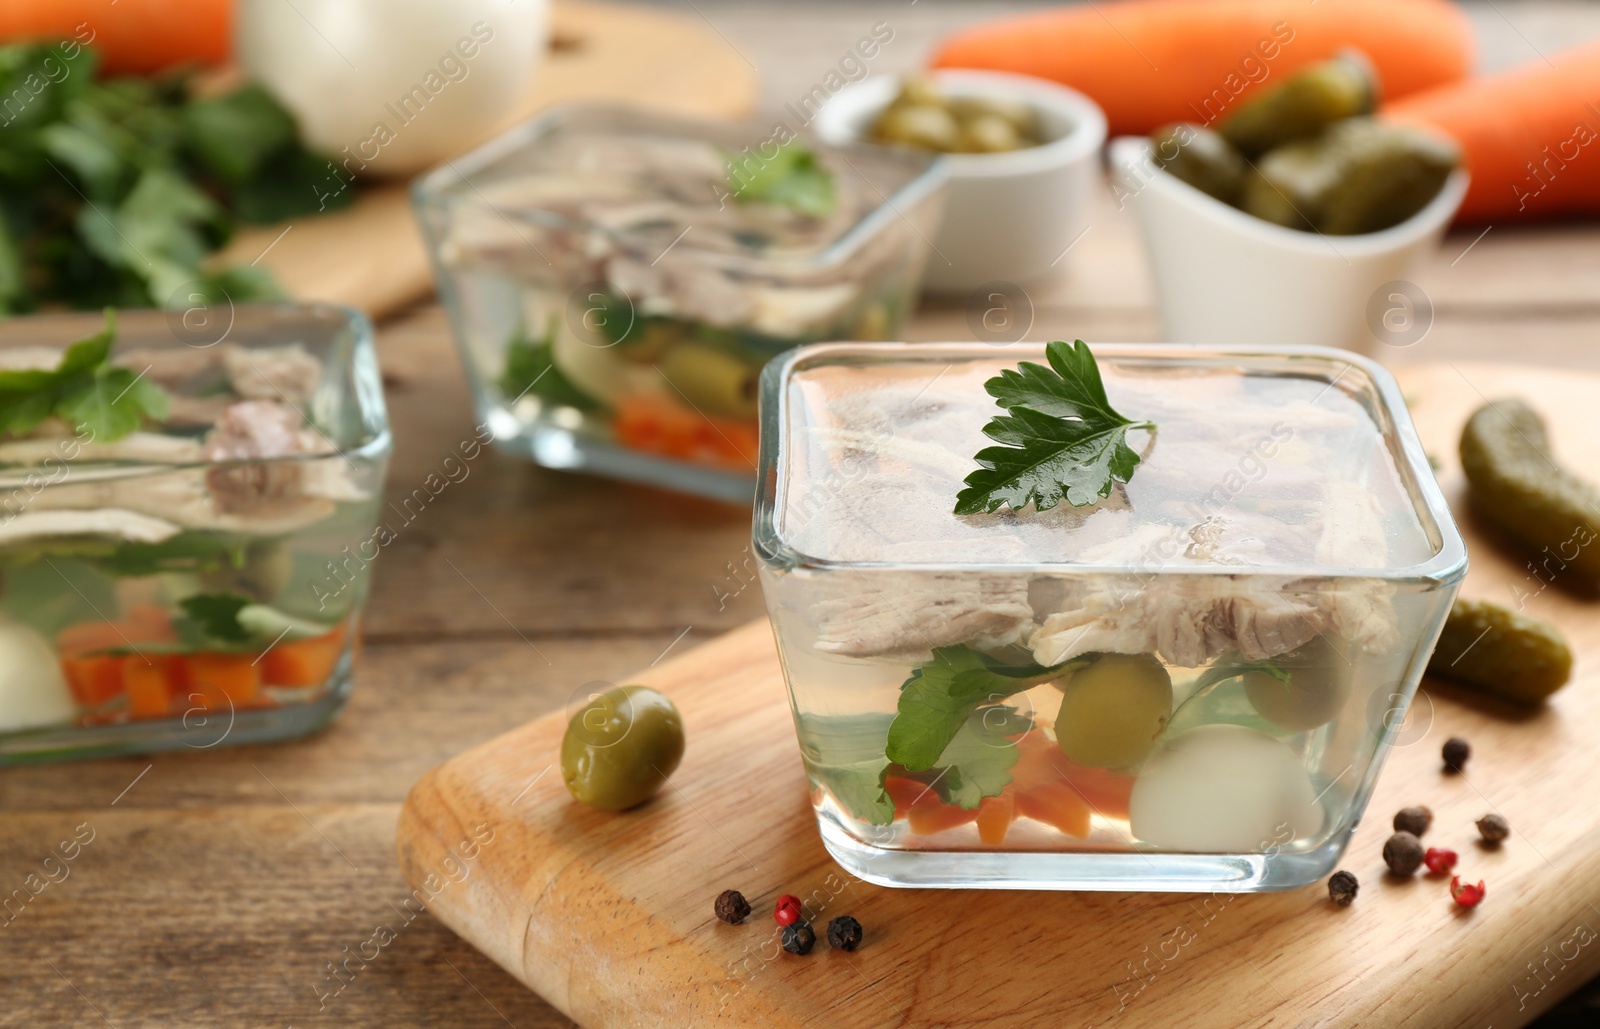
<point>188,517</point>
<point>1166,646</point>
<point>615,279</point>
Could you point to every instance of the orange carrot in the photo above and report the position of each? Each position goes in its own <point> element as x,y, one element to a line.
<point>306,662</point>
<point>93,680</point>
<point>995,815</point>
<point>1530,136</point>
<point>1149,62</point>
<point>236,676</point>
<point>1042,767</point>
<point>132,36</point>
<point>922,808</point>
<point>660,425</point>
<point>149,684</point>
<point>1055,805</point>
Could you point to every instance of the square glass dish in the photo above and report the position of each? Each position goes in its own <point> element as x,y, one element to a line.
<point>616,279</point>
<point>1190,684</point>
<point>184,557</point>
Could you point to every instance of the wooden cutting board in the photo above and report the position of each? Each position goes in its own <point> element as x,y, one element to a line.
<point>371,256</point>
<point>609,917</point>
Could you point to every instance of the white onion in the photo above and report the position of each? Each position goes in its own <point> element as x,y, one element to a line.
<point>1223,789</point>
<point>346,69</point>
<point>33,692</point>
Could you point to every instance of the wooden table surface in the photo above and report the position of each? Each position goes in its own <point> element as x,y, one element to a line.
<point>222,888</point>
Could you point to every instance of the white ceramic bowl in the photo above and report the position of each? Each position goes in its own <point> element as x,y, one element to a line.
<point>1008,216</point>
<point>1226,277</point>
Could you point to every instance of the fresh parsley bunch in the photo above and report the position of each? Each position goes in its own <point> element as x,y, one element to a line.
<point>1060,437</point>
<point>114,191</point>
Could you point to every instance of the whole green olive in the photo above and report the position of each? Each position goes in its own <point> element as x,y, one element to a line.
<point>1113,710</point>
<point>1320,673</point>
<point>263,573</point>
<point>620,747</point>
<point>713,380</point>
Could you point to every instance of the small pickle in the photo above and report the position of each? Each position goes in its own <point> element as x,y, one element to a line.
<point>1113,711</point>
<point>621,747</point>
<point>1303,107</point>
<point>1515,483</point>
<point>1506,653</point>
<point>713,380</point>
<point>1360,176</point>
<point>922,116</point>
<point>1201,158</point>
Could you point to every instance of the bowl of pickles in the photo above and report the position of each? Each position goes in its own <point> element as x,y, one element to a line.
<point>1296,217</point>
<point>1022,156</point>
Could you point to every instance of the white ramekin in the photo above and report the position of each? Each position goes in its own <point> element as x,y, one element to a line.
<point>1226,277</point>
<point>1009,217</point>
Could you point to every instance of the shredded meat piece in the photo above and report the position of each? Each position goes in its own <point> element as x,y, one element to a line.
<point>909,615</point>
<point>272,373</point>
<point>249,431</point>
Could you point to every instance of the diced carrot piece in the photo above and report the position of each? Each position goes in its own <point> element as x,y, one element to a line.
<point>148,685</point>
<point>1041,763</point>
<point>660,425</point>
<point>234,675</point>
<point>1057,806</point>
<point>307,662</point>
<point>904,793</point>
<point>927,818</point>
<point>995,815</point>
<point>93,680</point>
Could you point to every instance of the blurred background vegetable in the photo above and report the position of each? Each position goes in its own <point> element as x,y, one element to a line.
<point>393,86</point>
<point>113,191</point>
<point>1529,135</point>
<point>1150,62</point>
<point>132,36</point>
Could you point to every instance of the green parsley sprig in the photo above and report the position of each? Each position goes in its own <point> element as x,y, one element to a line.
<point>1060,437</point>
<point>792,177</point>
<point>84,389</point>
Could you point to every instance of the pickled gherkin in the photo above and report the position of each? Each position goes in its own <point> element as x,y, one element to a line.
<point>1516,483</point>
<point>1303,107</point>
<point>1201,158</point>
<point>1502,652</point>
<point>1360,176</point>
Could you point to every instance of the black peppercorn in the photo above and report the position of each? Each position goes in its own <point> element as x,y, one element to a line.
<point>732,907</point>
<point>1342,887</point>
<point>1456,752</point>
<point>844,933</point>
<point>1493,828</point>
<point>1403,853</point>
<point>799,937</point>
<point>1414,820</point>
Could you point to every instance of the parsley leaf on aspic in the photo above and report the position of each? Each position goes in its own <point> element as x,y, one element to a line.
<point>91,394</point>
<point>1060,437</point>
<point>792,177</point>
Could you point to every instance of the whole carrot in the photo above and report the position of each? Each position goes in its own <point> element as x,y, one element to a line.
<point>131,36</point>
<point>1150,62</point>
<point>1529,136</point>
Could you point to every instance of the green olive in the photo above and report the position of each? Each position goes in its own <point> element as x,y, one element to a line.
<point>990,134</point>
<point>1113,710</point>
<point>1319,682</point>
<point>262,575</point>
<point>620,747</point>
<point>921,125</point>
<point>713,380</point>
